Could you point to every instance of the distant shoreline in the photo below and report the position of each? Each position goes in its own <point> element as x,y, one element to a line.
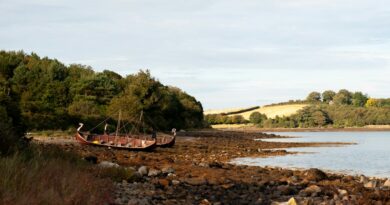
<point>325,129</point>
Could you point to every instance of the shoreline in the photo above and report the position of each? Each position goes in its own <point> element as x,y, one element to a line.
<point>349,129</point>
<point>197,171</point>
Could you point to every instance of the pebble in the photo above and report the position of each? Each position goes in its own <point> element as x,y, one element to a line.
<point>313,189</point>
<point>168,170</point>
<point>143,170</point>
<point>175,182</point>
<point>363,179</point>
<point>342,192</point>
<point>107,164</point>
<point>154,172</point>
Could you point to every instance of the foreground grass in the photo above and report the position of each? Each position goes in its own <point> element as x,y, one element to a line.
<point>48,175</point>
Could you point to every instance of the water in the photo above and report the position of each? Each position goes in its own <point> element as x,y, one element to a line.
<point>370,156</point>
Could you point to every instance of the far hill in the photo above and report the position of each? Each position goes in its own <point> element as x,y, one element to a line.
<point>274,110</point>
<point>270,111</point>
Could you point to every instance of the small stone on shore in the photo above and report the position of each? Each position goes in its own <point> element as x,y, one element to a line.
<point>143,170</point>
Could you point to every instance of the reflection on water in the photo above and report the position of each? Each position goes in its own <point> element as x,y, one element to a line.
<point>370,156</point>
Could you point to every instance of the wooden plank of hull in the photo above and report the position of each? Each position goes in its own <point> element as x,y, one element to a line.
<point>170,143</point>
<point>83,141</point>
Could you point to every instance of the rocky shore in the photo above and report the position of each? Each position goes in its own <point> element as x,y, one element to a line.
<point>197,171</point>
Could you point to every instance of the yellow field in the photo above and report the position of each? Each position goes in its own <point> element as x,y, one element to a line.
<point>210,112</point>
<point>270,111</point>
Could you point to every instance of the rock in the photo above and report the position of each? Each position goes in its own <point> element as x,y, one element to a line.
<point>205,202</point>
<point>371,184</point>
<point>216,165</point>
<point>204,164</point>
<point>315,175</point>
<point>292,201</point>
<point>107,164</point>
<point>171,175</point>
<point>168,170</point>
<point>286,190</point>
<point>154,172</point>
<point>293,179</point>
<point>196,181</point>
<point>387,183</point>
<point>143,170</point>
<point>175,182</point>
<point>307,202</point>
<point>363,179</point>
<point>342,192</point>
<point>163,182</point>
<point>313,189</point>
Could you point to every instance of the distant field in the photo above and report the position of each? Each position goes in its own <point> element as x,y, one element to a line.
<point>270,111</point>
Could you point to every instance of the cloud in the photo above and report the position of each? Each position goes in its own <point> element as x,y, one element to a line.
<point>277,49</point>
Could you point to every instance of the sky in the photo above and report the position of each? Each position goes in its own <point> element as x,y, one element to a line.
<point>226,53</point>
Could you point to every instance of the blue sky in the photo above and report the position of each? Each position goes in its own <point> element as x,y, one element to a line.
<point>227,53</point>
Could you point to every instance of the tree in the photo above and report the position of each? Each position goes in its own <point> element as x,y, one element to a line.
<point>359,99</point>
<point>314,97</point>
<point>257,118</point>
<point>371,102</point>
<point>343,97</point>
<point>327,96</point>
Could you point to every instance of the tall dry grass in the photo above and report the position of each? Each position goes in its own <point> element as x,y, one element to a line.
<point>49,175</point>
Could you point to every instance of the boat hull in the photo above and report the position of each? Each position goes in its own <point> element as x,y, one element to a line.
<point>166,143</point>
<point>123,142</point>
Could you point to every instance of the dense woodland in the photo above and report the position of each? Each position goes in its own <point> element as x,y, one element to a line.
<point>326,109</point>
<point>41,93</point>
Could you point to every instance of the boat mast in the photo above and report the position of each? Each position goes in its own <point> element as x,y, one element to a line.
<point>119,123</point>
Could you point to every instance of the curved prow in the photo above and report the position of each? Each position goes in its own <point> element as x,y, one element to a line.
<point>174,132</point>
<point>81,125</point>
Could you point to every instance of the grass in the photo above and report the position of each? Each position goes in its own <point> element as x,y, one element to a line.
<point>49,175</point>
<point>273,111</point>
<point>52,133</point>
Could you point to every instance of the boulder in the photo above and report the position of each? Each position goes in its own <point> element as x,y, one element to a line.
<point>154,172</point>
<point>315,175</point>
<point>371,184</point>
<point>387,183</point>
<point>143,171</point>
<point>107,164</point>
<point>204,164</point>
<point>292,201</point>
<point>196,181</point>
<point>163,182</point>
<point>363,179</point>
<point>342,192</point>
<point>168,170</point>
<point>313,189</point>
<point>175,182</point>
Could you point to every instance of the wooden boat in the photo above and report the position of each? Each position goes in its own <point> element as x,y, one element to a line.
<point>128,141</point>
<point>166,141</point>
<point>116,142</point>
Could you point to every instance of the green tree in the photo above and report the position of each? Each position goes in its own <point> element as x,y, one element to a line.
<point>343,97</point>
<point>314,97</point>
<point>359,99</point>
<point>257,118</point>
<point>327,96</point>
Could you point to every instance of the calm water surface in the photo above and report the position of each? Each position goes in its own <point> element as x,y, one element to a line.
<point>370,156</point>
